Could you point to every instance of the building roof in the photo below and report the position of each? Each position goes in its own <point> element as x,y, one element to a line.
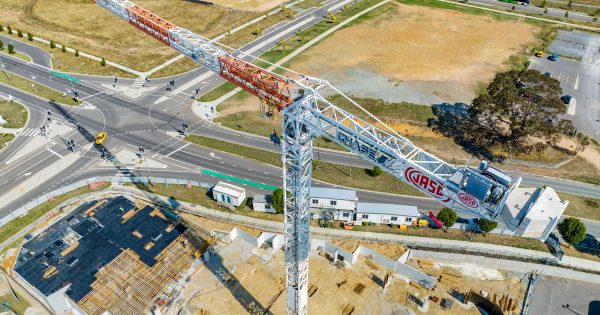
<point>230,190</point>
<point>333,193</point>
<point>261,198</point>
<point>387,208</point>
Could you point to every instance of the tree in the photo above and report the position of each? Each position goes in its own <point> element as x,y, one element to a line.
<point>103,62</point>
<point>11,49</point>
<point>448,216</point>
<point>581,142</point>
<point>543,4</point>
<point>9,29</point>
<point>376,171</point>
<point>19,33</point>
<point>64,48</point>
<point>572,230</point>
<point>570,4</point>
<point>52,44</point>
<point>518,105</point>
<point>545,11</point>
<point>29,36</point>
<point>566,14</point>
<point>486,225</point>
<point>76,53</point>
<point>1,45</point>
<point>277,200</point>
<point>1,28</point>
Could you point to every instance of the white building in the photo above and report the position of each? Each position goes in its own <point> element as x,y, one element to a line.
<point>262,203</point>
<point>533,216</point>
<point>228,194</point>
<point>341,201</point>
<point>385,213</point>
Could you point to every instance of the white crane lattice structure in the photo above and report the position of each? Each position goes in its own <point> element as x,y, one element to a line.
<point>307,115</point>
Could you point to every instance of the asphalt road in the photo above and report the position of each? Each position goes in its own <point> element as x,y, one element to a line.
<point>559,13</point>
<point>552,295</point>
<point>38,55</point>
<point>143,122</point>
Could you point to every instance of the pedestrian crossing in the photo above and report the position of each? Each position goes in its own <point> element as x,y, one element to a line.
<point>29,132</point>
<point>138,83</point>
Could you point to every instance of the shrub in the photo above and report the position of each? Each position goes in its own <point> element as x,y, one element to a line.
<point>572,230</point>
<point>11,49</point>
<point>64,48</point>
<point>277,201</point>
<point>1,45</point>
<point>376,171</point>
<point>448,216</point>
<point>487,225</point>
<point>76,53</point>
<point>19,33</point>
<point>1,28</point>
<point>29,36</point>
<point>103,62</point>
<point>9,29</point>
<point>52,44</point>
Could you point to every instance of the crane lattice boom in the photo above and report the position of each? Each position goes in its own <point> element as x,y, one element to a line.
<point>308,115</point>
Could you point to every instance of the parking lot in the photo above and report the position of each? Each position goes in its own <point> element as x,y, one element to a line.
<point>560,296</point>
<point>578,70</point>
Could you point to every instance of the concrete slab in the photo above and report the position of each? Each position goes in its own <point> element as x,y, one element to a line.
<point>552,295</point>
<point>132,91</point>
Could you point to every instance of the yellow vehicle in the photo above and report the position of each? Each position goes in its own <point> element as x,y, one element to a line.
<point>539,53</point>
<point>101,137</point>
<point>423,222</point>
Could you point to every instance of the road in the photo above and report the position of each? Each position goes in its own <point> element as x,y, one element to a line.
<point>38,55</point>
<point>553,12</point>
<point>552,295</point>
<point>146,121</point>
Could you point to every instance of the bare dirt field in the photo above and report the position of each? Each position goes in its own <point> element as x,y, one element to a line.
<point>84,25</point>
<point>249,5</point>
<point>439,55</point>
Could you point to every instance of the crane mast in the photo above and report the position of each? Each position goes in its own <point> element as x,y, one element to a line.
<point>307,115</point>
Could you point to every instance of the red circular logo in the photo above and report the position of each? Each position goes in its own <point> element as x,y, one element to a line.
<point>467,200</point>
<point>425,183</point>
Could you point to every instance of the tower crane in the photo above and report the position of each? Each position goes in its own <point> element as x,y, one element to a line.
<point>307,114</point>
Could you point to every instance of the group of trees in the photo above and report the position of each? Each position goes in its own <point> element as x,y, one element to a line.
<point>520,112</point>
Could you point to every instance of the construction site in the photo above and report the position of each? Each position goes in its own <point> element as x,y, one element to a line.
<point>126,256</point>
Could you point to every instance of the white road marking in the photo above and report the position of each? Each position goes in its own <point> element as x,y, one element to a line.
<point>183,146</point>
<point>54,152</point>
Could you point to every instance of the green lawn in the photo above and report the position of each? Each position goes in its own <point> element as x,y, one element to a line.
<point>20,223</point>
<point>5,138</point>
<point>15,114</point>
<point>40,90</point>
<point>354,177</point>
<point>217,92</point>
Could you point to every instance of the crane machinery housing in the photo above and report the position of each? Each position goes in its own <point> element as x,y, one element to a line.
<point>306,115</point>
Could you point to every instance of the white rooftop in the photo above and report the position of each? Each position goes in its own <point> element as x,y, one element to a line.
<point>386,208</point>
<point>333,193</point>
<point>534,203</point>
<point>229,189</point>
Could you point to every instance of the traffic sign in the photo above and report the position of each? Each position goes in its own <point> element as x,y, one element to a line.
<point>65,76</point>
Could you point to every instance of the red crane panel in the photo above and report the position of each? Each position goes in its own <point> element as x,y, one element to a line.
<point>150,23</point>
<point>268,87</point>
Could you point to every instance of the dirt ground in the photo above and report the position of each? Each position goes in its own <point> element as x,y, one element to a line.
<point>391,251</point>
<point>249,5</point>
<point>437,55</point>
<point>86,26</point>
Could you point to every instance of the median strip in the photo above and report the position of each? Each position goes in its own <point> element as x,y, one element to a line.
<point>238,180</point>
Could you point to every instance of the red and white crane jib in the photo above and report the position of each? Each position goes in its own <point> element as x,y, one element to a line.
<point>271,88</point>
<point>482,191</point>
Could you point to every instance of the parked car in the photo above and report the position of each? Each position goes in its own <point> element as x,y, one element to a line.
<point>553,57</point>
<point>566,99</point>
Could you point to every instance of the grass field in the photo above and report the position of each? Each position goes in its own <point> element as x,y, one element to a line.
<point>40,90</point>
<point>19,55</point>
<point>200,196</point>
<point>5,138</point>
<point>88,27</point>
<point>20,223</point>
<point>331,173</point>
<point>582,207</point>
<point>14,114</point>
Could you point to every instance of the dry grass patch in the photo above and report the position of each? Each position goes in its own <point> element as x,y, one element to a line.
<point>14,114</point>
<point>413,43</point>
<point>84,25</point>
